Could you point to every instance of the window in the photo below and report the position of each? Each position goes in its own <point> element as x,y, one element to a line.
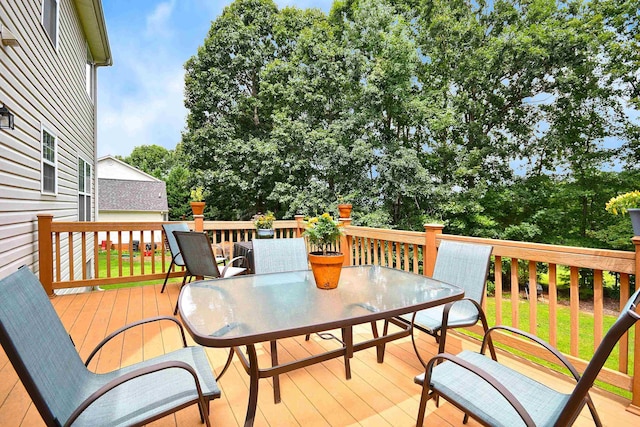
<point>49,163</point>
<point>50,19</point>
<point>84,190</point>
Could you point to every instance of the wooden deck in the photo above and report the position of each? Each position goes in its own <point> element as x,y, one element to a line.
<point>377,395</point>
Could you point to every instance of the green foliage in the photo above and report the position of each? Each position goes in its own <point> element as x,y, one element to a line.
<point>622,202</point>
<point>420,110</point>
<point>152,159</point>
<point>264,221</point>
<point>323,231</point>
<point>197,194</point>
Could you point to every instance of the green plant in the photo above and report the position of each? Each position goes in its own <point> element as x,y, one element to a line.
<point>621,203</point>
<point>323,231</point>
<point>197,194</point>
<point>264,221</point>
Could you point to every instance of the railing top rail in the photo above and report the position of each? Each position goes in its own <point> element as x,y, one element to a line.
<point>69,226</point>
<point>247,225</point>
<point>573,256</point>
<point>403,236</point>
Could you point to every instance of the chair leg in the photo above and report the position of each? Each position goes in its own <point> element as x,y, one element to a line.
<point>422,409</point>
<point>276,378</point>
<point>166,278</point>
<point>306,337</point>
<point>184,280</point>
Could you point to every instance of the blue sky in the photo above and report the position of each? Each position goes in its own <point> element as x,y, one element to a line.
<point>140,97</point>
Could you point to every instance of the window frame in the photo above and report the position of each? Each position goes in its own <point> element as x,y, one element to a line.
<point>44,161</point>
<point>85,193</point>
<point>56,36</point>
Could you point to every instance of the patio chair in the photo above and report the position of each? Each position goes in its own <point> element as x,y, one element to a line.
<point>497,395</point>
<point>275,256</point>
<point>66,392</point>
<point>539,291</point>
<point>176,258</point>
<point>278,255</point>
<point>197,255</point>
<point>465,265</point>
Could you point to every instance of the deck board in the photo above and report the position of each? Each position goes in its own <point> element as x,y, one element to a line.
<point>318,395</point>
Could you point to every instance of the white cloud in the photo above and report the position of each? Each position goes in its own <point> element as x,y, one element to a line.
<point>140,98</point>
<point>158,21</point>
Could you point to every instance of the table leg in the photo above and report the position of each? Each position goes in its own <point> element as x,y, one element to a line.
<point>347,338</point>
<point>380,347</point>
<point>276,378</point>
<point>254,377</point>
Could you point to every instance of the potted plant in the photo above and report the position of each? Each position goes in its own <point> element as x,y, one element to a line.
<point>264,225</point>
<point>344,208</point>
<point>197,200</point>
<point>627,202</point>
<point>324,232</point>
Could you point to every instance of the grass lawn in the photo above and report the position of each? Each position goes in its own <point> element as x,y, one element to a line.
<point>563,316</point>
<point>102,269</point>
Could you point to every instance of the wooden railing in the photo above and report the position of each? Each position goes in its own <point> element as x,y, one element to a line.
<point>77,242</point>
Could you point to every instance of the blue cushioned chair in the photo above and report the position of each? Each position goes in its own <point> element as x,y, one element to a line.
<point>278,255</point>
<point>176,258</point>
<point>465,265</point>
<point>65,392</point>
<point>497,395</point>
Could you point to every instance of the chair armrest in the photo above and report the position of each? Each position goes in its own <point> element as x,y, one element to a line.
<point>245,263</point>
<point>539,341</point>
<point>481,316</point>
<point>484,375</point>
<point>131,325</point>
<point>175,364</point>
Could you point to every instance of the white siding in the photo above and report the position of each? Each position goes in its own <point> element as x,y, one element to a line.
<point>41,86</point>
<point>111,168</point>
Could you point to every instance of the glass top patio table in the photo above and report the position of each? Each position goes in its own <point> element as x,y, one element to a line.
<point>246,310</point>
<point>255,308</point>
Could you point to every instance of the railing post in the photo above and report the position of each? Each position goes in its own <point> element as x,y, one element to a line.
<point>300,226</point>
<point>346,242</point>
<point>45,253</point>
<point>634,407</point>
<point>432,231</point>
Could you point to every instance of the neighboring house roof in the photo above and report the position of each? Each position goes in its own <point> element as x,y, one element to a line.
<point>127,195</point>
<point>95,30</point>
<point>110,167</point>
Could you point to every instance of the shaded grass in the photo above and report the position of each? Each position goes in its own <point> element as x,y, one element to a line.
<point>586,345</point>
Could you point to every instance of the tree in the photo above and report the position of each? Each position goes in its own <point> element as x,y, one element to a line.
<point>152,159</point>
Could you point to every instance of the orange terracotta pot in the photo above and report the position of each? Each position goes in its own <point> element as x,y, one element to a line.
<point>197,207</point>
<point>344,210</point>
<point>326,268</point>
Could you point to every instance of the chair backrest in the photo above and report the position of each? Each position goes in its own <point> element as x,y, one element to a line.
<point>465,265</point>
<point>628,317</point>
<point>278,255</point>
<point>197,254</point>
<point>171,240</point>
<point>40,348</point>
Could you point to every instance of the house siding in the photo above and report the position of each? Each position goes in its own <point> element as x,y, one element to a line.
<point>41,86</point>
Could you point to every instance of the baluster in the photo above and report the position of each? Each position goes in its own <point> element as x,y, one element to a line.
<point>497,263</point>
<point>553,305</point>
<point>598,308</point>
<point>515,294</point>
<point>533,299</point>
<point>574,299</point>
